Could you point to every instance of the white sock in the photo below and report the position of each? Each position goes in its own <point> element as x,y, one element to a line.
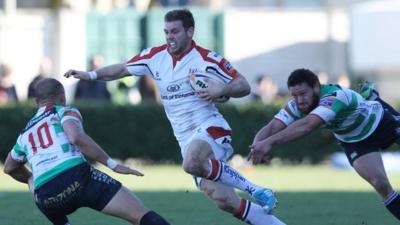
<point>254,214</point>
<point>221,172</point>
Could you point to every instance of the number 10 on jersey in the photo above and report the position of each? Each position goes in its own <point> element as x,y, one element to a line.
<point>42,131</point>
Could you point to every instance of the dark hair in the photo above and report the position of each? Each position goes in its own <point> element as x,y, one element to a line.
<point>183,15</point>
<point>302,76</point>
<point>48,88</point>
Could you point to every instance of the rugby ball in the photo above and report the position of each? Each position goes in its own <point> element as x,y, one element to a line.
<point>199,81</point>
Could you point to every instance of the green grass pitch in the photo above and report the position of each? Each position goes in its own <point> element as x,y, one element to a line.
<point>308,195</point>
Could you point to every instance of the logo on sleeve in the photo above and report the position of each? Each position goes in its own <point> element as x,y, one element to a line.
<point>215,56</point>
<point>327,102</point>
<point>228,66</point>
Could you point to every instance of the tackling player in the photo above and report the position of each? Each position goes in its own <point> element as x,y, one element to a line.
<point>362,127</point>
<point>62,181</point>
<point>203,134</point>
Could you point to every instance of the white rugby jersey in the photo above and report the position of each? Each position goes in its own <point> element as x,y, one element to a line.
<point>45,146</point>
<point>184,109</point>
<point>345,112</point>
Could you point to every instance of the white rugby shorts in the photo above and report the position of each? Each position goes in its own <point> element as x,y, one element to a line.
<point>217,133</point>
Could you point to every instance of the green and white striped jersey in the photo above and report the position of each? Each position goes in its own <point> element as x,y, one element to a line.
<point>350,117</point>
<point>44,145</point>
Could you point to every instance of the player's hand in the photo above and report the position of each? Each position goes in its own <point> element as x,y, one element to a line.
<point>213,91</point>
<point>126,170</point>
<point>259,151</point>
<point>83,75</point>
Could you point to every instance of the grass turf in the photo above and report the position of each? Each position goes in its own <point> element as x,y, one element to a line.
<point>308,195</point>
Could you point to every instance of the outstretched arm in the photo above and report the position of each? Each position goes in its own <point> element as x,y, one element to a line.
<point>295,130</point>
<point>274,126</point>
<point>77,136</point>
<point>111,72</point>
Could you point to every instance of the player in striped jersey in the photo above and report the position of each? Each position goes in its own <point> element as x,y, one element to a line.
<point>362,127</point>
<point>62,181</point>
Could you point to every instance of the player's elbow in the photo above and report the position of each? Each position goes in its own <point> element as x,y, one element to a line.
<point>76,139</point>
<point>242,87</point>
<point>246,89</point>
<point>8,169</point>
<point>243,91</point>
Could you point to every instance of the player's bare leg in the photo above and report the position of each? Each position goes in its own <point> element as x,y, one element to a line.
<point>223,196</point>
<point>127,206</point>
<point>195,160</point>
<point>226,199</point>
<point>200,161</point>
<point>197,163</point>
<point>371,168</point>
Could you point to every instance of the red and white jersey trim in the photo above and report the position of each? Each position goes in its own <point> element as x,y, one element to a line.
<point>185,110</point>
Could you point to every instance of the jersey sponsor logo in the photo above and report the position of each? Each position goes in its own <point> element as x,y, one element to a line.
<point>193,70</point>
<point>67,193</point>
<point>176,96</point>
<point>327,102</point>
<point>47,160</point>
<point>215,56</point>
<point>228,66</point>
<point>101,177</point>
<point>173,88</point>
<point>156,76</point>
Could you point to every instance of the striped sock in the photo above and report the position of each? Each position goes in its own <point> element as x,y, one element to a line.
<point>215,170</point>
<point>221,172</point>
<point>243,210</point>
<point>393,204</point>
<point>152,218</point>
<point>254,214</point>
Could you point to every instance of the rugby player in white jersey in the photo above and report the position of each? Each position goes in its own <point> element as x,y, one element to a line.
<point>203,134</point>
<point>62,181</point>
<point>362,127</point>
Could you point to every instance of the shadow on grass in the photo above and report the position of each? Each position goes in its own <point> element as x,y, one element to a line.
<point>192,208</point>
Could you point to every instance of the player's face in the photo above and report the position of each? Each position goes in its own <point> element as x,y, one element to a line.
<point>306,97</point>
<point>178,39</point>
